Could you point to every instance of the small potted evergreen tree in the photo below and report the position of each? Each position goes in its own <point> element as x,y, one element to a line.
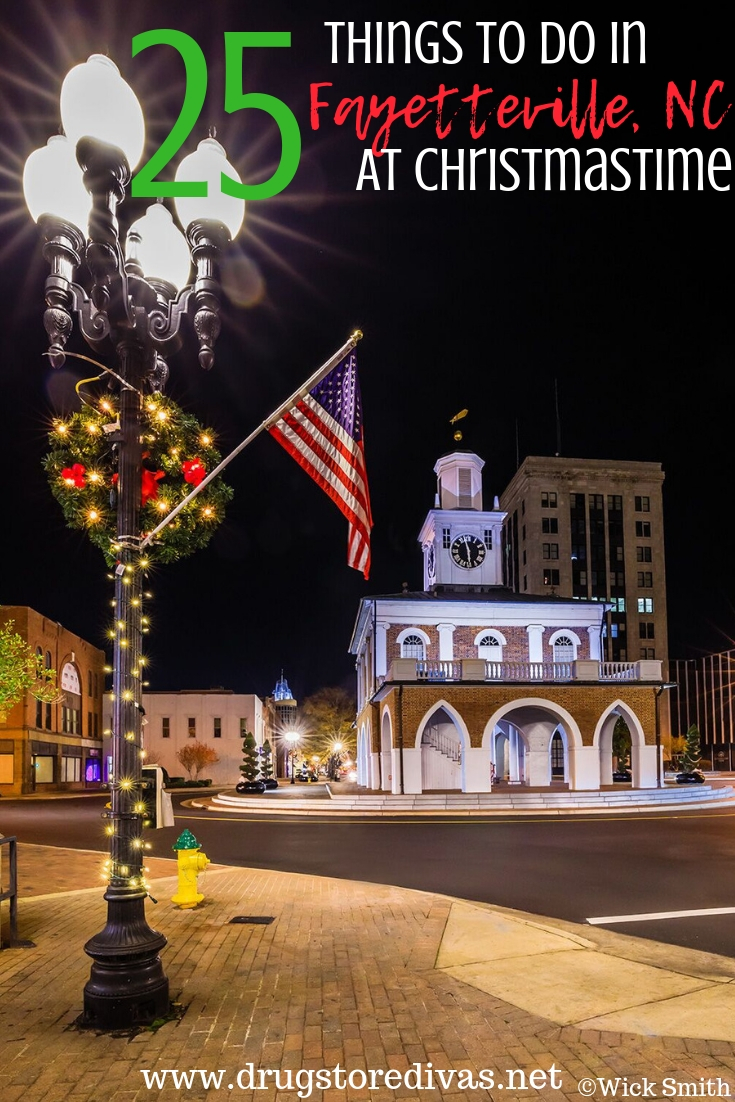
<point>689,771</point>
<point>250,767</point>
<point>266,766</point>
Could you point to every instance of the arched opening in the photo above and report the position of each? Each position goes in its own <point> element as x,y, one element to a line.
<point>386,756</point>
<point>521,735</point>
<point>508,754</point>
<point>622,749</point>
<point>558,756</point>
<point>441,752</point>
<point>363,757</point>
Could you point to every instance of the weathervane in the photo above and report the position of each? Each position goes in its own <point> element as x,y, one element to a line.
<point>453,420</point>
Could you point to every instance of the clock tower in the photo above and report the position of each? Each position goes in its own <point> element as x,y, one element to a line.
<point>460,540</point>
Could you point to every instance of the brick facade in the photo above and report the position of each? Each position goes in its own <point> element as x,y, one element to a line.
<point>477,703</point>
<point>464,637</point>
<point>36,736</point>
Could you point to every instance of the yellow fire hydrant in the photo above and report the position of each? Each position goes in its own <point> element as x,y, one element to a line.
<point>191,861</point>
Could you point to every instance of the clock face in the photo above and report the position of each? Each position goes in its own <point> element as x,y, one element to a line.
<point>467,551</point>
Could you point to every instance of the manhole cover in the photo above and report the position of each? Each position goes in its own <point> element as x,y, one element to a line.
<point>253,920</point>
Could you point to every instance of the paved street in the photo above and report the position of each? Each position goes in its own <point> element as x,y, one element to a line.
<point>364,977</point>
<point>572,869</point>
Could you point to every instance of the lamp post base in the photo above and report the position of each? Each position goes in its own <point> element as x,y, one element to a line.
<point>127,986</point>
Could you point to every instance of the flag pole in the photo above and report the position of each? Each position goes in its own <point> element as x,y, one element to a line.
<point>302,391</point>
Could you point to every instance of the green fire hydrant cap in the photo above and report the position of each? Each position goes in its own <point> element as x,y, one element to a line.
<point>186,840</point>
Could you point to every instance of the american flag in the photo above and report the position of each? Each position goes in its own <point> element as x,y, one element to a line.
<point>323,432</point>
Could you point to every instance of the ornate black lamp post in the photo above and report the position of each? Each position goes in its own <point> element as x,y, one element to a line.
<point>130,308</point>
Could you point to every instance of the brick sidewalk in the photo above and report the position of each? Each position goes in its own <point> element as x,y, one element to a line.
<point>345,974</point>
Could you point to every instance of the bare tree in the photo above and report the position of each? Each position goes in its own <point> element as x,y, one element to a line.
<point>194,756</point>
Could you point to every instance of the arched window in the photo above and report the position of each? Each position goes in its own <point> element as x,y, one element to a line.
<point>490,648</point>
<point>490,643</point>
<point>564,649</point>
<point>71,711</point>
<point>413,647</point>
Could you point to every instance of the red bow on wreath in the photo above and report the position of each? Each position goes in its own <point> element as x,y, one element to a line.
<point>193,470</point>
<point>149,485</point>
<point>74,476</point>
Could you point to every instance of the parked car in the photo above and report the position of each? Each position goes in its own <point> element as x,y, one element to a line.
<point>270,782</point>
<point>244,787</point>
<point>622,775</point>
<point>695,777</point>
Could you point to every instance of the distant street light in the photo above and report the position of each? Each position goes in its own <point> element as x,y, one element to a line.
<point>137,295</point>
<point>292,737</point>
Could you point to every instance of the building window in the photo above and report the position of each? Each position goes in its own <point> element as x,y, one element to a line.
<point>243,727</point>
<point>648,652</point>
<point>71,708</point>
<point>524,556</point>
<point>617,578</point>
<point>191,725</point>
<point>548,499</point>
<point>412,647</point>
<point>550,550</point>
<point>549,525</point>
<point>446,537</point>
<point>646,629</point>
<point>525,581</point>
<point>551,577</point>
<point>645,579</point>
<point>643,554</point>
<point>614,503</point>
<point>643,529</point>
<point>39,713</point>
<point>597,502</point>
<point>582,578</point>
<point>48,717</point>
<point>645,604</point>
<point>643,505</point>
<point>576,501</point>
<point>71,769</point>
<point>618,554</point>
<point>564,649</point>
<point>488,539</point>
<point>6,768</point>
<point>217,727</point>
<point>490,646</point>
<point>165,727</point>
<point>89,682</point>
<point>618,604</point>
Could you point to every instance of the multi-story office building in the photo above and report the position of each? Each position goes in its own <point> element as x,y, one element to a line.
<point>593,529</point>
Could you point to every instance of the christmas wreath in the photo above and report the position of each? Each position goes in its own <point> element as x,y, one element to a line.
<point>177,455</point>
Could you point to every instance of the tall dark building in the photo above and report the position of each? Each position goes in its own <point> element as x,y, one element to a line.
<point>593,529</point>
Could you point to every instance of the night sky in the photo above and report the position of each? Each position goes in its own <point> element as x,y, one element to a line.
<point>479,299</point>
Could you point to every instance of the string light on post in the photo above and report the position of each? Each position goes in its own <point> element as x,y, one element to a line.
<point>112,464</point>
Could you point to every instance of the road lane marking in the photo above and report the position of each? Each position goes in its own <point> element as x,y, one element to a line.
<point>660,914</point>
